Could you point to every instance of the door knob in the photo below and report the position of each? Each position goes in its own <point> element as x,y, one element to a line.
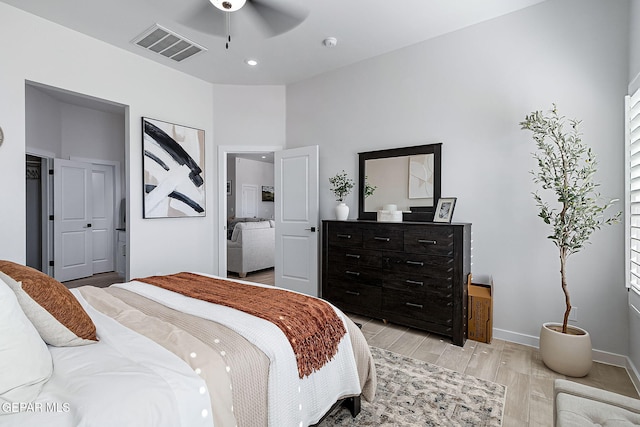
<point>312,229</point>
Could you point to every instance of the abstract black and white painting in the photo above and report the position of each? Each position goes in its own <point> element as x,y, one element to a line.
<point>173,162</point>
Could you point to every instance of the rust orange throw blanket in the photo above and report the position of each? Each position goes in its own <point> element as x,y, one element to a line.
<point>311,325</point>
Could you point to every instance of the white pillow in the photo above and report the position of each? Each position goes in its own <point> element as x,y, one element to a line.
<point>25,360</point>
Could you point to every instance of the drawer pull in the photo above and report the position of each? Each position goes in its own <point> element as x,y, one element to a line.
<point>410,304</point>
<point>420,263</point>
<point>382,239</point>
<point>343,236</point>
<point>414,282</point>
<point>353,273</point>
<point>353,293</point>
<point>431,242</point>
<point>449,304</point>
<point>356,256</point>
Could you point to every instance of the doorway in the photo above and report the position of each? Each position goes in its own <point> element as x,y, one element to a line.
<point>84,132</point>
<point>295,192</point>
<point>36,182</point>
<point>230,206</point>
<point>61,242</point>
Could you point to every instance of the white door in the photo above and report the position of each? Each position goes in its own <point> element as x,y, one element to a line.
<point>72,216</point>
<point>102,223</point>
<point>296,212</point>
<point>249,201</point>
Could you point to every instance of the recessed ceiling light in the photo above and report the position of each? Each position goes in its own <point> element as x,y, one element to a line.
<point>251,62</point>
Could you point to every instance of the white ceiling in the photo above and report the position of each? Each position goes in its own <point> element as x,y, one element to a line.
<point>363,28</point>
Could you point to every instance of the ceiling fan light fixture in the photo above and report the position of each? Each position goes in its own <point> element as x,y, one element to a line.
<point>228,5</point>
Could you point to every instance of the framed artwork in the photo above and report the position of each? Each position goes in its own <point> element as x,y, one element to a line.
<point>444,210</point>
<point>421,169</point>
<point>173,169</point>
<point>267,193</point>
<point>229,188</point>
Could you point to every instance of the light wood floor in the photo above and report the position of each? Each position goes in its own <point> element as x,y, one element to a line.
<point>529,400</point>
<point>101,280</point>
<point>266,276</point>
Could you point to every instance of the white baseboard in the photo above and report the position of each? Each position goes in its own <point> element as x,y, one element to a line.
<point>528,340</point>
<point>534,341</point>
<point>634,374</point>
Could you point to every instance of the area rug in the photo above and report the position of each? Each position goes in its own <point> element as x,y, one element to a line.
<point>416,393</point>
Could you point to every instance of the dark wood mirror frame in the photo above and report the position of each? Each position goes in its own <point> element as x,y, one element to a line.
<point>422,213</point>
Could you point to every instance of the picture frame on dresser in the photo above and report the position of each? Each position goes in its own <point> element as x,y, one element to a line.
<point>444,209</point>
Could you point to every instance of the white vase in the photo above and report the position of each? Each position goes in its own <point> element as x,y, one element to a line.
<point>342,212</point>
<point>569,354</point>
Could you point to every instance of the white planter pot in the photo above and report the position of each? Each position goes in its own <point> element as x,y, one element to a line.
<point>342,212</point>
<point>568,354</point>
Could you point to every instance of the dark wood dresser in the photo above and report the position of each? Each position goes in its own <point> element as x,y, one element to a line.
<point>410,273</point>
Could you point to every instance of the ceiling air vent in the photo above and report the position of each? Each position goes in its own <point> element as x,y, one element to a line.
<point>167,43</point>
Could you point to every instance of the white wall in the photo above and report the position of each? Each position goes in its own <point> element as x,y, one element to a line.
<point>249,115</point>
<point>469,90</point>
<point>44,124</point>
<point>634,46</point>
<point>68,130</point>
<point>92,134</point>
<point>49,54</point>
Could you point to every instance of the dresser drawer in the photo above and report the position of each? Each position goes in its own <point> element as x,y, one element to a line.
<point>423,285</point>
<point>436,240</point>
<point>344,235</point>
<point>435,309</point>
<point>355,297</point>
<point>355,257</point>
<point>345,274</point>
<point>385,238</point>
<point>424,265</point>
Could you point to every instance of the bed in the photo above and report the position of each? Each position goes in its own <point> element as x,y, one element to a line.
<point>148,353</point>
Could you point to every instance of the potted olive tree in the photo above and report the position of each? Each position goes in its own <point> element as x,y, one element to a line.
<point>566,168</point>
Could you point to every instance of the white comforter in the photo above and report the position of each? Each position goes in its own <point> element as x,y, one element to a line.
<point>123,380</point>
<point>127,379</point>
<point>292,401</point>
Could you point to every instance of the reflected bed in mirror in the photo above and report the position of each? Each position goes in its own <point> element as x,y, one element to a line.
<point>407,177</point>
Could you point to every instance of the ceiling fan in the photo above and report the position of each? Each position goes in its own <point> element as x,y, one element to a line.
<point>270,16</point>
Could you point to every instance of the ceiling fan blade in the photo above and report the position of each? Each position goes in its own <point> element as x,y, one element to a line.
<point>204,18</point>
<point>276,20</point>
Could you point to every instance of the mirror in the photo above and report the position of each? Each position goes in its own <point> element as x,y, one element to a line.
<point>407,177</point>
